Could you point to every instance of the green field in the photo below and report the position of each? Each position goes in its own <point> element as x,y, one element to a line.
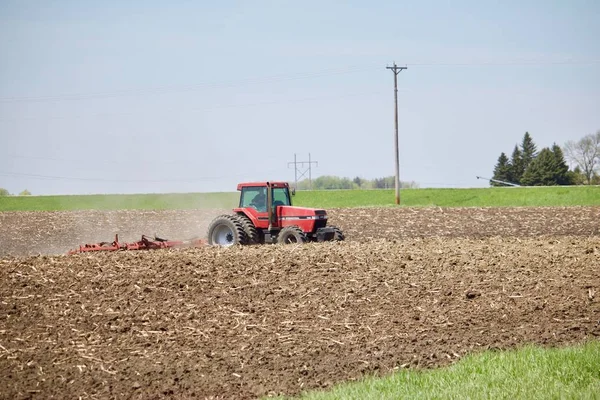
<point>527,373</point>
<point>484,197</point>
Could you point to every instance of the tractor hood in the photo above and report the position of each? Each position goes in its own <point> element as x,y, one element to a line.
<point>292,212</point>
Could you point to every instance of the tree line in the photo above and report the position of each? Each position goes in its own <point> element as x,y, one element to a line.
<point>5,192</point>
<point>329,182</point>
<point>549,167</point>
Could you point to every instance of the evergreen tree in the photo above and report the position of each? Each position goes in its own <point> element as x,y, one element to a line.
<point>539,171</point>
<point>528,149</point>
<point>516,162</point>
<point>561,169</point>
<point>358,181</point>
<point>502,170</point>
<point>548,169</point>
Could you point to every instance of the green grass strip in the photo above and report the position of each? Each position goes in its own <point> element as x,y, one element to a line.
<point>527,373</point>
<point>168,201</point>
<point>483,197</point>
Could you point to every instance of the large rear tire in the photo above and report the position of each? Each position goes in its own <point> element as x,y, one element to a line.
<point>290,235</point>
<point>226,230</point>
<point>249,229</point>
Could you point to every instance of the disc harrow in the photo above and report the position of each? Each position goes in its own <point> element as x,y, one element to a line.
<point>146,243</point>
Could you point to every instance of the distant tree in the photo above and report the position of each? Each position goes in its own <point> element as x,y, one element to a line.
<point>4,192</point>
<point>409,185</point>
<point>539,171</point>
<point>388,182</point>
<point>560,167</point>
<point>326,182</point>
<point>25,193</point>
<point>516,166</point>
<point>547,169</point>
<point>577,176</point>
<point>528,150</point>
<point>329,182</point>
<point>585,153</point>
<point>502,170</point>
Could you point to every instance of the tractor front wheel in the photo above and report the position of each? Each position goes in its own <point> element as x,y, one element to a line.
<point>291,234</point>
<point>338,235</point>
<point>226,230</point>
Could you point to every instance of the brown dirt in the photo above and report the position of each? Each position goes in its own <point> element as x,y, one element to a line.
<point>409,288</point>
<point>34,233</point>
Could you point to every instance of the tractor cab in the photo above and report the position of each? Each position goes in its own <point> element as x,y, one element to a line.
<point>256,196</point>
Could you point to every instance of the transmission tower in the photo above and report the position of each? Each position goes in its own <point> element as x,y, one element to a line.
<point>299,168</point>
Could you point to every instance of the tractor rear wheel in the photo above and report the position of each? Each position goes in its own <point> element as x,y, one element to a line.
<point>226,230</point>
<point>291,234</point>
<point>249,229</point>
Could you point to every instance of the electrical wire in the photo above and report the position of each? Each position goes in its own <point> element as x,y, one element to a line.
<point>507,63</point>
<point>93,179</point>
<point>200,109</point>
<point>186,88</point>
<point>278,78</point>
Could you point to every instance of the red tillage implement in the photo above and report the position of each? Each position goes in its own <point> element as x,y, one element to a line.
<point>146,243</point>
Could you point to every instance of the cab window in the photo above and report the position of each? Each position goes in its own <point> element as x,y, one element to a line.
<point>281,197</point>
<point>254,196</point>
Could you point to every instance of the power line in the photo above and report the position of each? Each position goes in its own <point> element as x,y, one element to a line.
<point>91,179</point>
<point>275,78</point>
<point>505,63</point>
<point>198,109</point>
<point>186,88</point>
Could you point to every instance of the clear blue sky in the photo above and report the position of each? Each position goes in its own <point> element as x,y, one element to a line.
<point>188,96</point>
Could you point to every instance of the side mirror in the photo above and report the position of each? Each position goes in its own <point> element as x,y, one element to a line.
<point>293,191</point>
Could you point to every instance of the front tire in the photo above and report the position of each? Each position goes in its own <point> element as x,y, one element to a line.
<point>226,230</point>
<point>338,234</point>
<point>290,235</point>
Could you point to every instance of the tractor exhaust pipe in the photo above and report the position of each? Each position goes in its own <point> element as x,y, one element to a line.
<point>270,206</point>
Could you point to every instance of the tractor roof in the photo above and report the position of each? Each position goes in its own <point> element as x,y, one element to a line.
<point>264,183</point>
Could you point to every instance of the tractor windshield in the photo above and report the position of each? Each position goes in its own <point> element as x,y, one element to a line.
<point>281,197</point>
<point>256,197</point>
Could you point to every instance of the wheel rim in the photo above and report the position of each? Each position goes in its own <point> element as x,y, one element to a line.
<point>223,236</point>
<point>291,239</point>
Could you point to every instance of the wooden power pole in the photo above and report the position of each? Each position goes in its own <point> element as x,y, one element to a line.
<point>396,71</point>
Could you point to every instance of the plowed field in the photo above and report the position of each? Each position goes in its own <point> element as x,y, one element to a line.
<point>408,288</point>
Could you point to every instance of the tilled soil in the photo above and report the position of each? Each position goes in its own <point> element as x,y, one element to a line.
<point>261,320</point>
<point>33,233</point>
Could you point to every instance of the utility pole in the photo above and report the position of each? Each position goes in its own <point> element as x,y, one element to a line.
<point>303,171</point>
<point>396,71</point>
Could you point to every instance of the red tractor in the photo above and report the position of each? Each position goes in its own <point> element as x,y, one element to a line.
<point>266,215</point>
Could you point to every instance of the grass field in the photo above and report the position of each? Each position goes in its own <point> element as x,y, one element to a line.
<point>484,197</point>
<point>528,373</point>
